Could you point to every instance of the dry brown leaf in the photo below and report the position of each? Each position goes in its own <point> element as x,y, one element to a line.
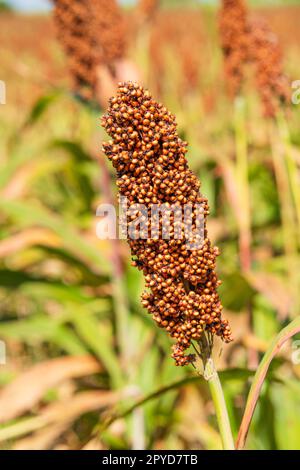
<point>81,403</point>
<point>29,387</point>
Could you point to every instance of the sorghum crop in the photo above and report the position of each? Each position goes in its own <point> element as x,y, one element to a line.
<point>234,37</point>
<point>72,18</point>
<point>108,30</point>
<point>152,169</point>
<point>265,53</point>
<point>92,33</point>
<point>248,40</point>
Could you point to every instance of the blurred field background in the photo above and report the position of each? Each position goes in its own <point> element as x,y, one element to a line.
<point>66,384</point>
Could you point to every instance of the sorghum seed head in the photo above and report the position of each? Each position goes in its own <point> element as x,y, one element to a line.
<point>182,282</point>
<point>233,24</point>
<point>247,40</point>
<point>265,53</point>
<point>92,33</point>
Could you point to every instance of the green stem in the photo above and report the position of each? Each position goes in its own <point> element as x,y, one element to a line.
<point>284,195</point>
<point>287,212</point>
<point>291,165</point>
<point>220,405</point>
<point>210,374</point>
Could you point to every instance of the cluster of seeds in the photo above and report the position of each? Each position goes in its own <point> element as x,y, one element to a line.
<point>234,35</point>
<point>265,53</point>
<point>108,29</point>
<point>152,170</point>
<point>92,32</point>
<point>247,40</point>
<point>72,19</point>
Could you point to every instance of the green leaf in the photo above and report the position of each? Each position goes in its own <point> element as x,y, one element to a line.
<point>286,401</point>
<point>73,148</point>
<point>235,292</point>
<point>98,338</point>
<point>289,331</point>
<point>41,328</point>
<point>40,107</point>
<point>32,213</point>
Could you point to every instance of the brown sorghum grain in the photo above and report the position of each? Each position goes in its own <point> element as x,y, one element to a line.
<point>152,168</point>
<point>92,33</point>
<point>72,19</point>
<point>265,53</point>
<point>234,38</point>
<point>250,41</point>
<point>109,32</point>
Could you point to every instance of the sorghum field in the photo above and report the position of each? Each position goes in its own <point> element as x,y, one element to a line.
<point>83,363</point>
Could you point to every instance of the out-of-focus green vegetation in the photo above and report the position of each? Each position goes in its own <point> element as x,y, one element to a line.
<point>68,383</point>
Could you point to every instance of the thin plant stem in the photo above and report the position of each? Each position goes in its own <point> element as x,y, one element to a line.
<point>217,394</point>
<point>292,169</point>
<point>288,216</point>
<point>284,194</point>
<point>242,175</point>
<point>210,374</point>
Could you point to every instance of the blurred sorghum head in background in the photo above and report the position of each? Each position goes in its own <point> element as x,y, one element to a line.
<point>249,40</point>
<point>265,53</point>
<point>109,32</point>
<point>234,38</point>
<point>72,18</point>
<point>93,34</point>
<point>152,169</point>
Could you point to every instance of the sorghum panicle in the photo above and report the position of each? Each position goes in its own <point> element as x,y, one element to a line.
<point>234,37</point>
<point>92,33</point>
<point>247,40</point>
<point>72,18</point>
<point>265,53</point>
<point>108,29</point>
<point>152,168</point>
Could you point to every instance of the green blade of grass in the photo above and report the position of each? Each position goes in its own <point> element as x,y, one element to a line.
<point>289,331</point>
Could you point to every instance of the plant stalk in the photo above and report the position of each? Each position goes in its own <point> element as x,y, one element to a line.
<point>210,374</point>
<point>220,405</point>
<point>291,165</point>
<point>242,175</point>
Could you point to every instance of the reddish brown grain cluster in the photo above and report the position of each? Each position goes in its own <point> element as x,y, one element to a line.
<point>72,20</point>
<point>109,32</point>
<point>92,33</point>
<point>234,35</point>
<point>247,40</point>
<point>152,169</point>
<point>265,53</point>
